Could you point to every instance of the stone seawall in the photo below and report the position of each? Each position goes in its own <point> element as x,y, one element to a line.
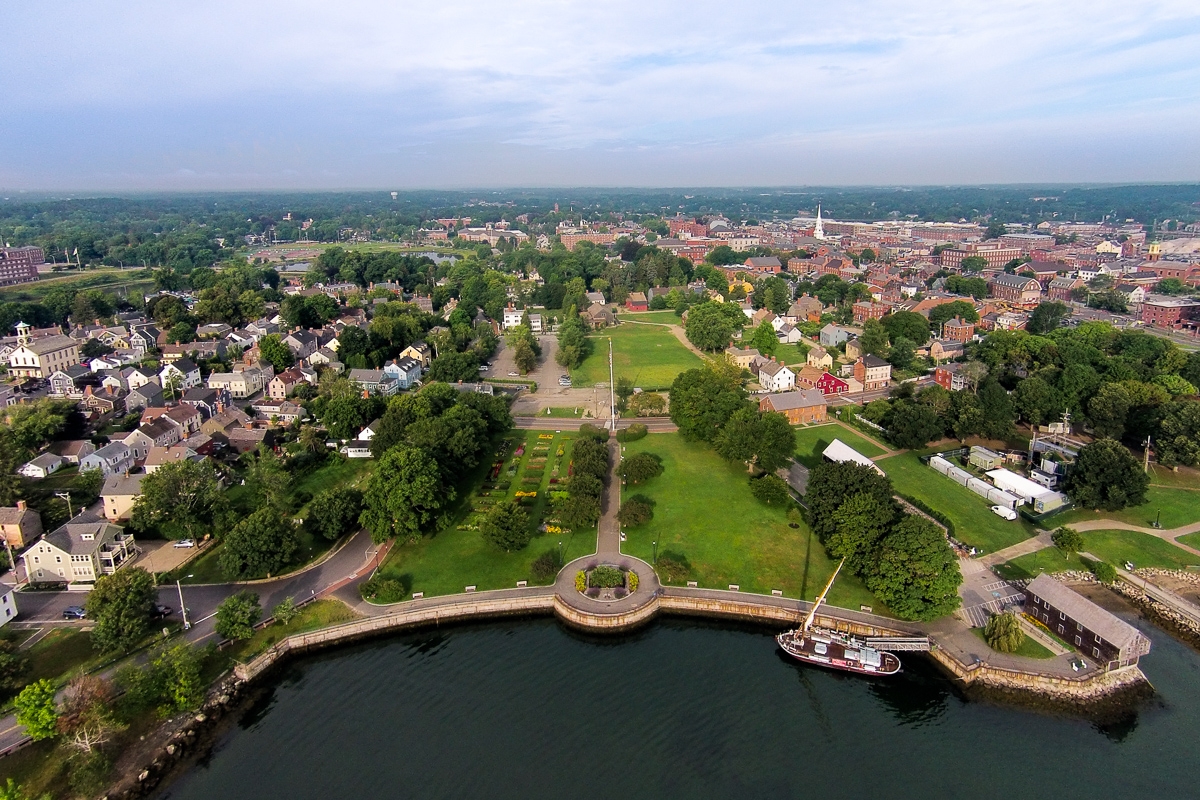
<point>1094,687</point>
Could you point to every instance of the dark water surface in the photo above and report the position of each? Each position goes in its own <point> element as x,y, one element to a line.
<point>681,709</point>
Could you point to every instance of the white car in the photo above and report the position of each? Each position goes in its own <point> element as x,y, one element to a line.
<point>1004,511</point>
<point>184,543</point>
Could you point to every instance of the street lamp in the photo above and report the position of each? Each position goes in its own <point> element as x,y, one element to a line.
<point>182,608</point>
<point>1158,519</point>
<point>655,559</point>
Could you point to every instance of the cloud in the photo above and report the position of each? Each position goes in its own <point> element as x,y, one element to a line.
<point>271,94</point>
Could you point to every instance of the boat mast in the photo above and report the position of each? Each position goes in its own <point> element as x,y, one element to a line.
<point>808,620</point>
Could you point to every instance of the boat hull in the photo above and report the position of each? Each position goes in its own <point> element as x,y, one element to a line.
<point>835,652</point>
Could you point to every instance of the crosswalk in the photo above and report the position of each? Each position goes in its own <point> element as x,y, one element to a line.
<point>1003,594</point>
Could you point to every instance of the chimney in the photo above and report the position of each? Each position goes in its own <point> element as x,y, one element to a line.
<point>21,505</point>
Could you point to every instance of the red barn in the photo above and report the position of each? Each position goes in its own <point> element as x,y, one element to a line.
<point>831,384</point>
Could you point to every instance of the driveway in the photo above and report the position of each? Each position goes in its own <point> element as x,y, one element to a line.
<point>549,393</point>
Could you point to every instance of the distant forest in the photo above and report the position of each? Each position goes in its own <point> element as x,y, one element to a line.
<point>184,230</point>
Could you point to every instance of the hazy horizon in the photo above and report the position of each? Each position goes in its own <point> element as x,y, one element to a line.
<point>144,97</point>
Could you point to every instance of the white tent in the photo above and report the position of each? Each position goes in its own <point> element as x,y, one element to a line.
<point>841,452</point>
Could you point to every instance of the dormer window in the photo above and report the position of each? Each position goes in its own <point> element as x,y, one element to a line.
<point>87,537</point>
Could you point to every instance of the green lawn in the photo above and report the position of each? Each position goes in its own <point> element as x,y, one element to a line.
<point>458,557</point>
<point>974,522</point>
<point>649,355</point>
<point>108,279</point>
<point>1183,478</point>
<point>314,616</point>
<point>664,317</point>
<point>811,442</point>
<point>1178,506</point>
<point>1115,547</point>
<point>63,650</point>
<point>704,511</point>
<point>575,412</point>
<point>1191,540</point>
<point>1027,649</point>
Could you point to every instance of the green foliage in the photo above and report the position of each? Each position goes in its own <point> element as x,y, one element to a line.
<point>452,367</point>
<point>862,521</point>
<point>334,512</point>
<point>285,611</point>
<point>672,567</point>
<point>1003,633</point>
<point>171,682</point>
<point>382,590</point>
<point>506,527</point>
<point>703,400</point>
<point>764,440</point>
<point>959,284</point>
<point>1179,434</point>
<point>874,339</point>
<point>273,350</point>
<point>1104,571</point>
<point>1106,476</point>
<point>406,495</point>
<point>765,340</point>
<point>546,566</point>
<point>637,510</point>
<point>13,791</point>
<point>623,389</point>
<point>915,573</point>
<point>120,607</point>
<point>1068,540</point>
<point>641,468</point>
<point>183,495</point>
<point>261,544</point>
<point>573,344</point>
<point>941,314</point>
<point>606,577</point>
<point>913,425</point>
<point>1047,316</point>
<point>634,432</point>
<point>907,324</point>
<point>237,615</point>
<point>14,665</point>
<point>770,489</point>
<point>37,710</point>
<point>710,325</point>
<point>973,264</point>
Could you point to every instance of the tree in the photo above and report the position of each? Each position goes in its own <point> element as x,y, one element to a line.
<point>915,572</point>
<point>579,511</point>
<point>913,425</point>
<point>171,682</point>
<point>86,719</point>
<point>261,544</point>
<point>1036,401</point>
<point>451,367</point>
<point>37,710</point>
<point>637,510</point>
<point>285,611</point>
<point>573,344</point>
<point>14,664</point>
<point>997,409</point>
<point>830,484</point>
<point>334,512</point>
<point>1109,410</point>
<point>709,326</point>
<point>311,440</point>
<point>1178,440</point>
<point>874,339</point>
<point>1003,633</point>
<point>1067,540</point>
<point>770,490</point>
<point>861,521</point>
<point>907,324</point>
<point>1106,476</point>
<point>765,340</point>
<point>973,264</point>
<point>506,526</point>
<point>902,353</point>
<point>763,441</point>
<point>703,400</point>
<point>939,315</point>
<point>345,416</point>
<point>647,404</point>
<point>237,615</point>
<point>120,607</point>
<point>182,494</point>
<point>406,495</point>
<point>641,468</point>
<point>273,350</point>
<point>524,356</point>
<point>623,391</point>
<point>959,284</point>
<point>1104,571</point>
<point>1047,317</point>
<point>13,791</point>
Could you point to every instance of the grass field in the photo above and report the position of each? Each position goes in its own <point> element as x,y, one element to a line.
<point>811,442</point>
<point>453,559</point>
<point>704,511</point>
<point>665,317</point>
<point>1027,649</point>
<point>649,355</point>
<point>1115,547</point>
<point>1178,506</point>
<point>314,616</point>
<point>130,280</point>
<point>339,472</point>
<point>974,522</point>
<point>575,412</point>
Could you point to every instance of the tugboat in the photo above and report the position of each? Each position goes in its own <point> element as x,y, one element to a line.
<point>834,649</point>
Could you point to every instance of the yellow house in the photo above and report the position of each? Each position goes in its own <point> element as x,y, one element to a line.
<point>747,286</point>
<point>819,357</point>
<point>120,493</point>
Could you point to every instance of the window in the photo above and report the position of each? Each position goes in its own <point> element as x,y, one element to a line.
<point>1078,641</point>
<point>1096,652</point>
<point>1061,630</point>
<point>1062,615</point>
<point>1098,640</point>
<point>1078,626</point>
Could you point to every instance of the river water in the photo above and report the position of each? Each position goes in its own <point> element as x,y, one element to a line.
<point>680,709</point>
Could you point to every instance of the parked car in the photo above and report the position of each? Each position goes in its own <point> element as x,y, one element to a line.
<point>1005,512</point>
<point>74,612</point>
<point>483,368</point>
<point>514,374</point>
<point>161,612</point>
<point>185,543</point>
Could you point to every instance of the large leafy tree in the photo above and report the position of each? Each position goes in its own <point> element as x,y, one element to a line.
<point>913,425</point>
<point>641,467</point>
<point>1106,476</point>
<point>37,709</point>
<point>1108,411</point>
<point>874,339</point>
<point>939,315</point>
<point>178,498</point>
<point>1047,316</point>
<point>765,340</point>
<point>573,344</point>
<point>1178,440</point>
<point>710,325</point>
<point>334,512</point>
<point>406,495</point>
<point>830,484</point>
<point>506,527</point>
<point>860,522</point>
<point>1036,401</point>
<point>997,408</point>
<point>915,572</point>
<point>120,607</point>
<point>237,615</point>
<point>907,324</point>
<point>703,400</point>
<point>261,544</point>
<point>273,350</point>
<point>762,440</point>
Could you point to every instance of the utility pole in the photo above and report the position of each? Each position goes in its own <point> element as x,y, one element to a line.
<point>1146,457</point>
<point>612,397</point>
<point>66,496</point>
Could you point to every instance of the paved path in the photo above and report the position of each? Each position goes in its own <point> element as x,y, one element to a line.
<point>1039,542</point>
<point>1166,534</point>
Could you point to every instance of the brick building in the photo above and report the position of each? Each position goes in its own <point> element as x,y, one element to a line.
<point>1170,312</point>
<point>958,329</point>
<point>1015,289</point>
<point>864,311</point>
<point>19,264</point>
<point>995,254</point>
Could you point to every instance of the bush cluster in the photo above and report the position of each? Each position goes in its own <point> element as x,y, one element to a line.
<point>606,577</point>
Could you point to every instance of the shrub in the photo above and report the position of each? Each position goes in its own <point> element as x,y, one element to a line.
<point>641,467</point>
<point>383,590</point>
<point>634,432</point>
<point>237,615</point>
<point>546,566</point>
<point>1067,540</point>
<point>506,526</point>
<point>606,577</point>
<point>633,581</point>
<point>637,510</point>
<point>1003,633</point>
<point>769,489</point>
<point>1104,571</point>
<point>588,431</point>
<point>580,581</point>
<point>672,567</point>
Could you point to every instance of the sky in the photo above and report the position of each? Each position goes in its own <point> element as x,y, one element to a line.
<point>352,94</point>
